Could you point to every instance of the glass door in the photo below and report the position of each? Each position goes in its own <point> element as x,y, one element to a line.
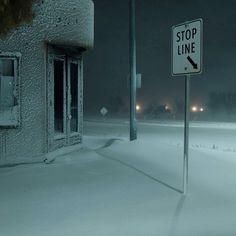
<point>64,101</point>
<point>59,97</point>
<point>74,106</point>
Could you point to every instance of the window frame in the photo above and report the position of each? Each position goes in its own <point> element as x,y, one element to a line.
<point>16,115</point>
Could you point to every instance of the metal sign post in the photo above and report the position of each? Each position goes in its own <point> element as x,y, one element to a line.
<point>132,46</point>
<point>186,134</point>
<point>187,60</point>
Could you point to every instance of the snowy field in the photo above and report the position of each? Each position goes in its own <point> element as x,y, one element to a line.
<point>111,187</point>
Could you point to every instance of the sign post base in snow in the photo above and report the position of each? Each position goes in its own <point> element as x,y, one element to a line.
<point>187,60</point>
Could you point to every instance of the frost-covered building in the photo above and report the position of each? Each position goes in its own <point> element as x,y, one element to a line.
<point>41,80</point>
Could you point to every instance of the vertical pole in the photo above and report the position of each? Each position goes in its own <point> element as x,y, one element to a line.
<point>132,47</point>
<point>186,135</point>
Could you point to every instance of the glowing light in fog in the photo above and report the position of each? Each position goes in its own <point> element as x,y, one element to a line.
<point>138,108</point>
<point>194,109</point>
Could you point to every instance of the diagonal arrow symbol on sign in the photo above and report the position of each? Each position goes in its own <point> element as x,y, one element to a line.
<point>192,63</point>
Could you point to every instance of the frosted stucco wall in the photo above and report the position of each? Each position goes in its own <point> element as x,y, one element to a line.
<point>61,22</point>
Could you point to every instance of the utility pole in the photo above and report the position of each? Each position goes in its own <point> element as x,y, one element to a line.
<point>133,87</point>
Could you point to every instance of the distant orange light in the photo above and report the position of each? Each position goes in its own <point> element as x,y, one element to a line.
<point>194,109</point>
<point>138,107</point>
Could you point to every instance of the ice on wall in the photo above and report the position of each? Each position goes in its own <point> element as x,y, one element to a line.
<point>62,22</point>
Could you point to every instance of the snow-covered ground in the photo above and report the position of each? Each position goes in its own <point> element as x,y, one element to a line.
<point>113,187</point>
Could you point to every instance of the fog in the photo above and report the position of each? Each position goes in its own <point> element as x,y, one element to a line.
<point>107,65</point>
<point>72,164</point>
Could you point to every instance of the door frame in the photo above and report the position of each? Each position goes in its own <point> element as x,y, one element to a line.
<point>74,137</point>
<point>66,138</point>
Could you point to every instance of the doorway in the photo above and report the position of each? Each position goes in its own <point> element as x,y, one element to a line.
<point>64,98</point>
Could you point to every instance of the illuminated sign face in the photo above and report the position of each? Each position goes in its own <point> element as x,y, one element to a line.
<point>187,48</point>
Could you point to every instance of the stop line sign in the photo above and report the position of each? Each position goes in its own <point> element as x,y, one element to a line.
<point>187,48</point>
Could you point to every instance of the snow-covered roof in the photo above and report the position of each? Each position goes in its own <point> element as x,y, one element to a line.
<point>62,22</point>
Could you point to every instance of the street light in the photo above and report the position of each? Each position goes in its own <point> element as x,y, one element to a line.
<point>194,109</point>
<point>138,108</point>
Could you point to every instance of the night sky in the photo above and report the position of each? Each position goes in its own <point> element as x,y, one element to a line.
<point>107,65</point>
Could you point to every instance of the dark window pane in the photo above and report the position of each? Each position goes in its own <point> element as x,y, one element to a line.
<point>7,67</point>
<point>74,96</point>
<point>58,95</point>
<point>6,92</point>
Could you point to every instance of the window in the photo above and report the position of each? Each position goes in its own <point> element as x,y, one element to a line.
<point>9,90</point>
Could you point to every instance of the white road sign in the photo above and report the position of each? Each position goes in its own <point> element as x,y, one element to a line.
<point>187,48</point>
<point>103,111</point>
